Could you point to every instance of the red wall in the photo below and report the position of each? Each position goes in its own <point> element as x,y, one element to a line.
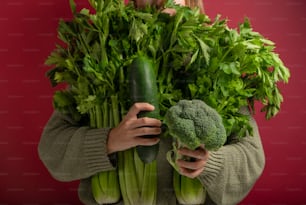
<point>28,34</point>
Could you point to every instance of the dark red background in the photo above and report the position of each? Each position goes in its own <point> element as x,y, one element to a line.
<point>28,34</point>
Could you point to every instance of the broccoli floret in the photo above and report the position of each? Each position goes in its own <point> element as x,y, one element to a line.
<point>193,122</point>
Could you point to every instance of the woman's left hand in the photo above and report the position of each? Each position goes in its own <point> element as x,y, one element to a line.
<point>193,168</point>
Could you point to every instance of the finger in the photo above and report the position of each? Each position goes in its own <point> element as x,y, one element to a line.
<point>190,173</point>
<point>145,122</point>
<point>144,131</point>
<point>137,107</point>
<point>147,141</point>
<point>199,153</point>
<point>199,164</point>
<point>169,11</point>
<point>137,141</point>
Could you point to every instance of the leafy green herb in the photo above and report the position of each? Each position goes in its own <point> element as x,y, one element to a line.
<point>194,57</point>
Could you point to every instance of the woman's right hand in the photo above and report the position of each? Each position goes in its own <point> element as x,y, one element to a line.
<point>130,130</point>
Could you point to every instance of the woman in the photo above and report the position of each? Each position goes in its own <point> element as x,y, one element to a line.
<point>71,151</point>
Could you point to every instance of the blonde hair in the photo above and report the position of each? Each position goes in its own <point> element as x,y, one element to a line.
<point>195,3</point>
<point>160,3</point>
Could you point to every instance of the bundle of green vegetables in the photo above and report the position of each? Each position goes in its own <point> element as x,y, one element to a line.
<point>192,57</point>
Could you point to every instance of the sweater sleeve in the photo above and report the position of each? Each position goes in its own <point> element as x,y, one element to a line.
<point>70,151</point>
<point>231,172</point>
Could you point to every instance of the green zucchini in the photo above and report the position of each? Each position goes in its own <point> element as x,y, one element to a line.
<point>143,88</point>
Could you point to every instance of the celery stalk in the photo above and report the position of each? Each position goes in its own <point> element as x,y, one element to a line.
<point>113,180</point>
<point>140,168</point>
<point>113,186</point>
<point>177,187</point>
<point>129,173</point>
<point>188,191</point>
<point>149,186</point>
<point>122,180</point>
<point>96,189</point>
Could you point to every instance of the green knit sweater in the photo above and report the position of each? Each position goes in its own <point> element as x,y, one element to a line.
<point>73,152</point>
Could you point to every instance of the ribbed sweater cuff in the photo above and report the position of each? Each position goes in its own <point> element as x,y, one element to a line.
<point>95,151</point>
<point>212,168</point>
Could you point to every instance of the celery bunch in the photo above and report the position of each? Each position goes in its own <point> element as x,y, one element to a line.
<point>105,185</point>
<point>138,180</point>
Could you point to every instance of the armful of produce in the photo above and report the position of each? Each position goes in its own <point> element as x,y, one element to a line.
<point>194,58</point>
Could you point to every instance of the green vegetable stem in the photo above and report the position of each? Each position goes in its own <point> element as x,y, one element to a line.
<point>188,191</point>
